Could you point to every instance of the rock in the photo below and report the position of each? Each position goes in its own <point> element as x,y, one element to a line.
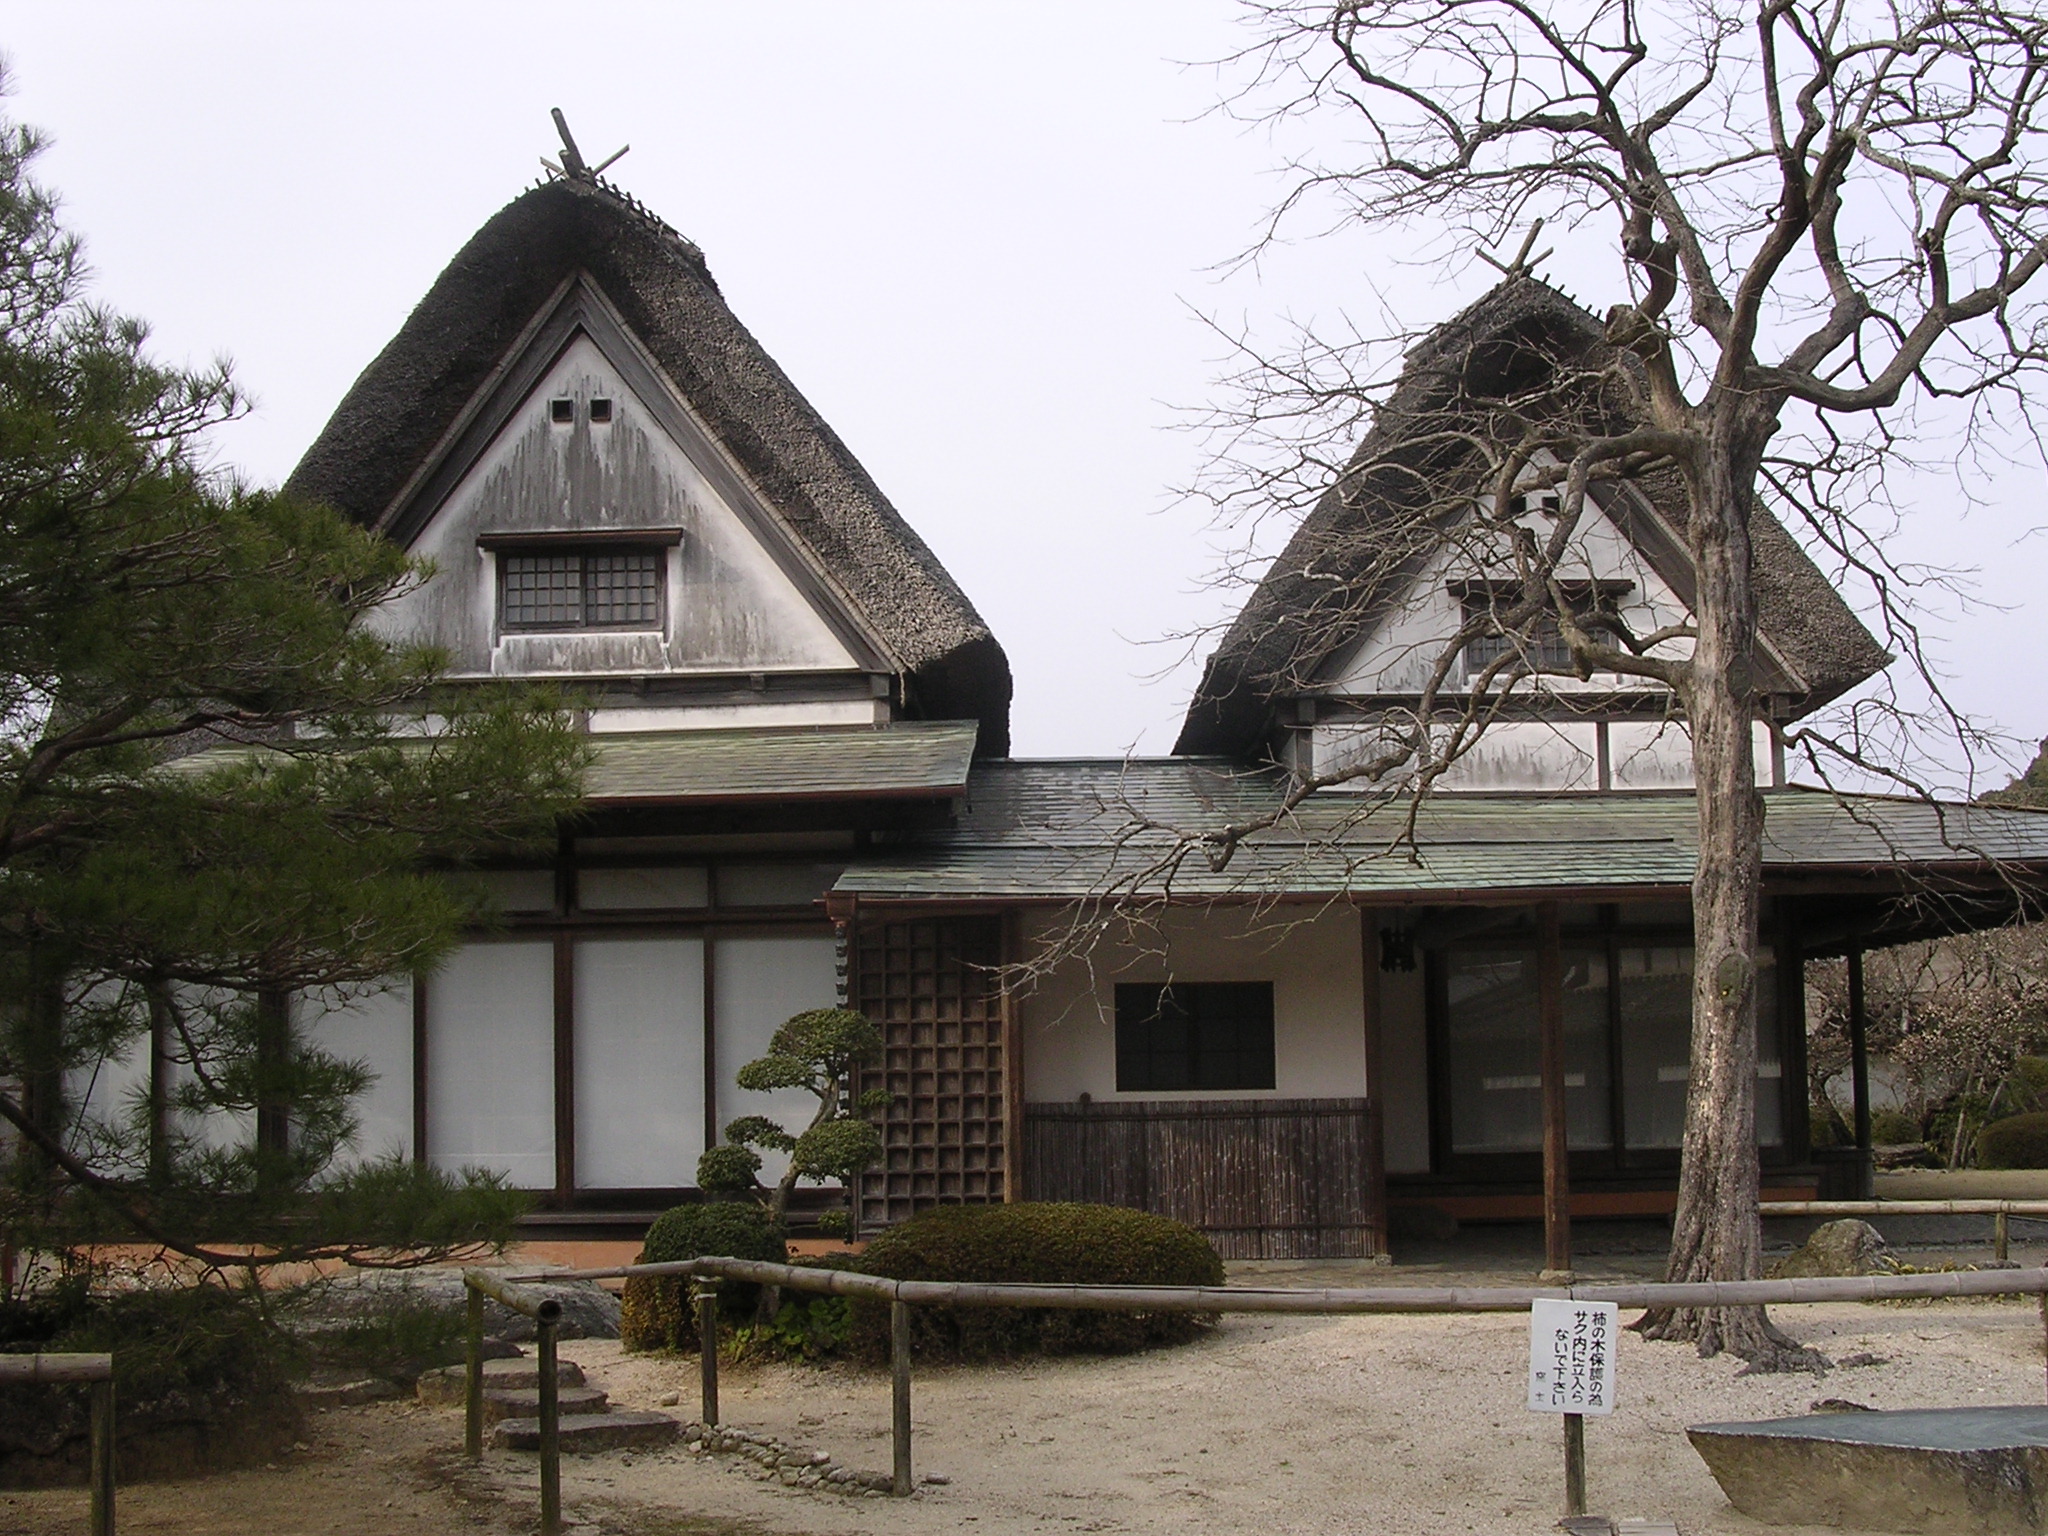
<point>1956,1471</point>
<point>668,1399</point>
<point>524,1402</point>
<point>1836,1248</point>
<point>582,1433</point>
<point>446,1387</point>
<point>588,1310</point>
<point>344,1394</point>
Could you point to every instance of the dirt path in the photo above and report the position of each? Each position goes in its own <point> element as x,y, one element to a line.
<point>1269,1427</point>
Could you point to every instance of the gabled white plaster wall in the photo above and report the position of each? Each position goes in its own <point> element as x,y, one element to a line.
<point>1396,657</point>
<point>1310,955</point>
<point>731,606</point>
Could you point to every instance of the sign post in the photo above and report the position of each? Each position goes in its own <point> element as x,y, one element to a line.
<point>1571,1372</point>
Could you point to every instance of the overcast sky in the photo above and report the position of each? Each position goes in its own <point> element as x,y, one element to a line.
<point>979,238</point>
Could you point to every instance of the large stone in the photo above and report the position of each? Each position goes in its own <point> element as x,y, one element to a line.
<point>582,1433</point>
<point>1955,1471</point>
<point>588,1310</point>
<point>1836,1248</point>
<point>446,1387</point>
<point>525,1403</point>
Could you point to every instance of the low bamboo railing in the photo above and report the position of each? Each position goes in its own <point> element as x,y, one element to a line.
<point>2001,1212</point>
<point>902,1295</point>
<point>546,1313</point>
<point>96,1371</point>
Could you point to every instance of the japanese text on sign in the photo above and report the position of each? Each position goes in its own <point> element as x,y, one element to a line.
<point>1571,1356</point>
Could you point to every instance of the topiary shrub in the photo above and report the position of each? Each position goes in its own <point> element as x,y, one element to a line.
<point>656,1312</point>
<point>2020,1141</point>
<point>1043,1243</point>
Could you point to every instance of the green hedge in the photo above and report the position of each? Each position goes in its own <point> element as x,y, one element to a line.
<point>202,1382</point>
<point>655,1313</point>
<point>2020,1141</point>
<point>1042,1244</point>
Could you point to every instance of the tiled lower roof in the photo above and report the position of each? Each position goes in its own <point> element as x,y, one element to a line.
<point>912,757</point>
<point>1061,830</point>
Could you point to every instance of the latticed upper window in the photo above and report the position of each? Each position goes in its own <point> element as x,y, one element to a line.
<point>581,589</point>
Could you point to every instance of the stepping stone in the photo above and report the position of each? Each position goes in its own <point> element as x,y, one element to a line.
<point>1955,1471</point>
<point>444,1388</point>
<point>586,1432</point>
<point>343,1394</point>
<point>525,1404</point>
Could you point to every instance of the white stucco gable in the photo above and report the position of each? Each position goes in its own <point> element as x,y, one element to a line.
<point>1396,655</point>
<point>731,602</point>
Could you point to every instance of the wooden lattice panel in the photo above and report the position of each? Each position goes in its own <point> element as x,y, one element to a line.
<point>931,988</point>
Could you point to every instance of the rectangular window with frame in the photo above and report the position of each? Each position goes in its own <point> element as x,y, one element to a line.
<point>597,588</point>
<point>1542,647</point>
<point>1198,1036</point>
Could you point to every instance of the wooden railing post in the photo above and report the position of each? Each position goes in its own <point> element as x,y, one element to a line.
<point>101,1518</point>
<point>473,1376</point>
<point>899,1361</point>
<point>550,1431</point>
<point>2001,1237</point>
<point>1574,1464</point>
<point>705,1294</point>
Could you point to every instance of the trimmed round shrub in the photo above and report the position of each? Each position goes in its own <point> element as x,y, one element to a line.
<point>2020,1141</point>
<point>1036,1243</point>
<point>655,1311</point>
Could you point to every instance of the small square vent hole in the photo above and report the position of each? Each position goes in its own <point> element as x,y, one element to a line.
<point>562,410</point>
<point>600,409</point>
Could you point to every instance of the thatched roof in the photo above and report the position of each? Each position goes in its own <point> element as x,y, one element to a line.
<point>1335,580</point>
<point>397,413</point>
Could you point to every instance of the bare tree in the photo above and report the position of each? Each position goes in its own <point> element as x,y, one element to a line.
<point>1820,213</point>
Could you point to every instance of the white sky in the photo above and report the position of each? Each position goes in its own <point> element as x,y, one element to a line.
<point>977,237</point>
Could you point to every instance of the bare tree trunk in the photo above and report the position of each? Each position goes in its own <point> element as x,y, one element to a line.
<point>1716,1231</point>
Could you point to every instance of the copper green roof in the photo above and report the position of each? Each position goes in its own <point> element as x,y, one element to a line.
<point>920,759</point>
<point>915,759</point>
<point>1067,830</point>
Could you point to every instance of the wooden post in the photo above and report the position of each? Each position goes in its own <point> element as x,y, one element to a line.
<point>1375,1088</point>
<point>550,1431</point>
<point>1859,1079</point>
<point>1013,1064</point>
<point>899,1360</point>
<point>101,1516</point>
<point>1557,1196</point>
<point>473,1383</point>
<point>1574,1464</point>
<point>2001,1237</point>
<point>705,1294</point>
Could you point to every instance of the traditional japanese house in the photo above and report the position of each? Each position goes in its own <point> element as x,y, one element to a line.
<point>1349,1013</point>
<point>802,792</point>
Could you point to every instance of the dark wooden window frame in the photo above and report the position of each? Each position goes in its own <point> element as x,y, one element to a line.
<point>1616,1159</point>
<point>1133,1016</point>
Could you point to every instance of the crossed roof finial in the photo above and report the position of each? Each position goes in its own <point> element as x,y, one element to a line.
<point>1523,265</point>
<point>571,162</point>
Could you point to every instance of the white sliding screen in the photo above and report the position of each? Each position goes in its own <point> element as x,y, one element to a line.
<point>374,1028</point>
<point>757,984</point>
<point>491,1061</point>
<point>639,1062</point>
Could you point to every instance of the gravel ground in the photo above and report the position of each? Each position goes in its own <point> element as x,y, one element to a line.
<point>1384,1424</point>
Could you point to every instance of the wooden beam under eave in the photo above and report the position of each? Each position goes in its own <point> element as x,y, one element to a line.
<point>1557,1192</point>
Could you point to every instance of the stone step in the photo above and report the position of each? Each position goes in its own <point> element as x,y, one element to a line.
<point>444,1388</point>
<point>586,1432</point>
<point>525,1404</point>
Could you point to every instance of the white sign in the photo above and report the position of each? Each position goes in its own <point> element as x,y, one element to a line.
<point>1571,1356</point>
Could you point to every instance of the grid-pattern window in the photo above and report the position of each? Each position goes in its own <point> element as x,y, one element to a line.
<point>581,589</point>
<point>1544,648</point>
<point>1204,1036</point>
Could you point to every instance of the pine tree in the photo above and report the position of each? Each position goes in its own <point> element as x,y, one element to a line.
<point>219,787</point>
